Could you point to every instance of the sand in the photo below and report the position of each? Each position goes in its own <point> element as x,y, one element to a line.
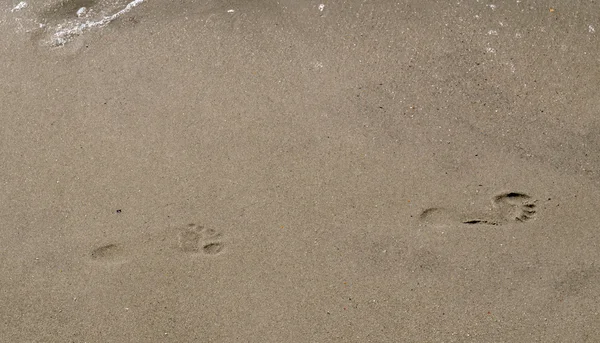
<point>295,171</point>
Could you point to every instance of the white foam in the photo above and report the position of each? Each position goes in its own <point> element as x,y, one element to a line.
<point>21,5</point>
<point>81,12</point>
<point>64,34</point>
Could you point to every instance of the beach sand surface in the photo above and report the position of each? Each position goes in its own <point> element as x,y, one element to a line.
<point>298,171</point>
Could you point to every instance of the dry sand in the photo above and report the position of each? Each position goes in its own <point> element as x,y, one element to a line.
<point>281,171</point>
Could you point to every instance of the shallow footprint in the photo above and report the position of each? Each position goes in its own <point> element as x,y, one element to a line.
<point>439,215</point>
<point>188,238</point>
<point>110,254</point>
<point>195,238</point>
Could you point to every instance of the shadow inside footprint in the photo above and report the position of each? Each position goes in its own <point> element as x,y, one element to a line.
<point>515,206</point>
<point>480,221</point>
<point>213,248</point>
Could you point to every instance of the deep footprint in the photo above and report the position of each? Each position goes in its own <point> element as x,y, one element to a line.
<point>515,206</point>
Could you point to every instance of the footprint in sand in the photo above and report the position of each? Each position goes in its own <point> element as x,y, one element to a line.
<point>109,254</point>
<point>506,207</point>
<point>192,239</point>
<point>198,239</point>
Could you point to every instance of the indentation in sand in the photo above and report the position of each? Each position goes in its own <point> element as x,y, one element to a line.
<point>506,207</point>
<point>213,248</point>
<point>109,254</point>
<point>195,238</point>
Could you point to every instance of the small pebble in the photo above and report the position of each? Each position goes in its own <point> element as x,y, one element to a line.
<point>81,12</point>
<point>21,5</point>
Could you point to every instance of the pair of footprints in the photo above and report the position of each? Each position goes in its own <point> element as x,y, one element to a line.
<point>192,239</point>
<point>506,207</point>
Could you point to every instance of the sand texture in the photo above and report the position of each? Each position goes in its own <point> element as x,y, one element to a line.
<point>299,171</point>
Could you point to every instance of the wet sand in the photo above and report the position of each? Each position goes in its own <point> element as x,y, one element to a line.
<point>283,171</point>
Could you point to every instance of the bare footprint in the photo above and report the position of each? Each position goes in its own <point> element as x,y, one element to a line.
<point>195,238</point>
<point>506,207</point>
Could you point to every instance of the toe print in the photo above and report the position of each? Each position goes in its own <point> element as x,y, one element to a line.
<point>195,239</point>
<point>515,206</point>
